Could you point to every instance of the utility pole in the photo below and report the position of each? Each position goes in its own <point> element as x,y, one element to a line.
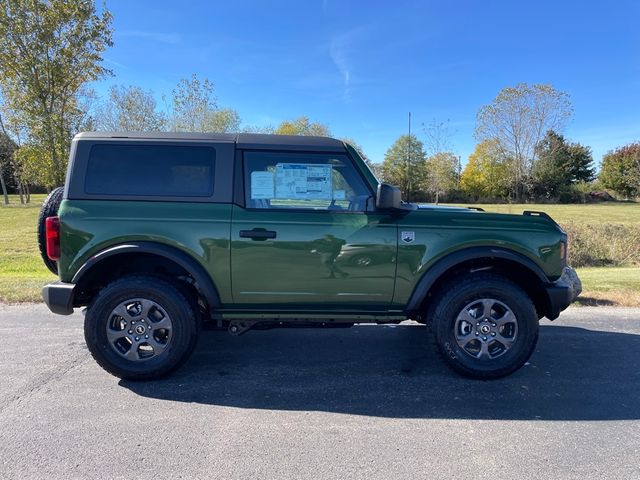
<point>409,163</point>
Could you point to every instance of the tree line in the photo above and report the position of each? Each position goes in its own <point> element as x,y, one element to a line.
<point>51,51</point>
<point>520,156</point>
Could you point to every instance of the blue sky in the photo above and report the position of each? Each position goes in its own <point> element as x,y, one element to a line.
<point>361,66</point>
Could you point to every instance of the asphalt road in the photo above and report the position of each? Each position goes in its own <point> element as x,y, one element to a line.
<point>368,402</point>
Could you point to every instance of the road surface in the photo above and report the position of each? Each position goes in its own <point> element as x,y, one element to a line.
<point>368,402</point>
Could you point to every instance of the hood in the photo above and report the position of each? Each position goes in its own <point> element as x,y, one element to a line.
<point>476,217</point>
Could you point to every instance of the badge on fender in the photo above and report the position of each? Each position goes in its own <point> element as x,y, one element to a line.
<point>408,237</point>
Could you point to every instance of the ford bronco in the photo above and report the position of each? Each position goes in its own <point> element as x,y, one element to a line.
<point>160,235</point>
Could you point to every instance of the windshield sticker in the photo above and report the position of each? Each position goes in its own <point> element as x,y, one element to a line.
<point>302,181</point>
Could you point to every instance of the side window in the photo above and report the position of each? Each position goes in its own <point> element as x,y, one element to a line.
<point>306,181</point>
<point>150,170</point>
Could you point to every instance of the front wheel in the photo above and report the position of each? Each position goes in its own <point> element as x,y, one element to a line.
<point>485,326</point>
<point>141,327</point>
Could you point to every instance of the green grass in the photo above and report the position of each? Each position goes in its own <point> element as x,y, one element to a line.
<point>607,279</point>
<point>22,272</point>
<point>610,212</point>
<point>610,286</point>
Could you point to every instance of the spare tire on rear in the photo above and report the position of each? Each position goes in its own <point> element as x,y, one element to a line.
<point>49,209</point>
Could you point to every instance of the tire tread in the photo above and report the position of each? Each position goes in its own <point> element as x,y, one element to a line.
<point>49,208</point>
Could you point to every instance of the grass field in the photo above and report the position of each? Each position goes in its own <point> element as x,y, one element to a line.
<point>22,272</point>
<point>610,212</point>
<point>610,286</point>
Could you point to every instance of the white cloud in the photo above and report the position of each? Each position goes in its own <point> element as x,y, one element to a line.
<point>341,50</point>
<point>114,63</point>
<point>339,58</point>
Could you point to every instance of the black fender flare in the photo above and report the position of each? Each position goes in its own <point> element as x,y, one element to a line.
<point>430,277</point>
<point>206,287</point>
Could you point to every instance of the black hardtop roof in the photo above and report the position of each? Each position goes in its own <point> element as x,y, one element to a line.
<point>242,140</point>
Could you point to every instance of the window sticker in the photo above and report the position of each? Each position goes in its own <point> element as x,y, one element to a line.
<point>301,181</point>
<point>262,185</point>
<point>339,195</point>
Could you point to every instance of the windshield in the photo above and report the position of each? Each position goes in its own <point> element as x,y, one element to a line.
<point>368,172</point>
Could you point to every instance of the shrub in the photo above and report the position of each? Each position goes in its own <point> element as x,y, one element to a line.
<point>596,245</point>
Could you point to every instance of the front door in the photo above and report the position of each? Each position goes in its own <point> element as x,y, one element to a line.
<point>304,237</point>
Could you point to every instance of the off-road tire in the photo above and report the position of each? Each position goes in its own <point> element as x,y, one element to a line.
<point>49,208</point>
<point>459,294</point>
<point>185,326</point>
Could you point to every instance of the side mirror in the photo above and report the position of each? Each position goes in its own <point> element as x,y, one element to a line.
<point>388,197</point>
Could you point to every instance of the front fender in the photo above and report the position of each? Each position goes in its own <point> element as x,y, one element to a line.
<point>430,277</point>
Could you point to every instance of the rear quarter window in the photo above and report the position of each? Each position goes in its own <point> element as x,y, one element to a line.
<point>150,170</point>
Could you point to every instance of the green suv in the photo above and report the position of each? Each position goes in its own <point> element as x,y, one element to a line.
<point>160,235</point>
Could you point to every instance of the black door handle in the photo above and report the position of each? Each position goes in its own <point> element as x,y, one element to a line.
<point>257,234</point>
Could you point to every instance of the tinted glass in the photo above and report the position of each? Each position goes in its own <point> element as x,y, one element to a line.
<point>150,170</point>
<point>303,181</point>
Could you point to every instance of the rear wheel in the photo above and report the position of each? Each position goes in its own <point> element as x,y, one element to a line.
<point>141,327</point>
<point>485,326</point>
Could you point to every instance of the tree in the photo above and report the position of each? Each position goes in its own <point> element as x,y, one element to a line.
<point>486,174</point>
<point>404,165</point>
<point>302,126</point>
<point>441,174</point>
<point>49,50</point>
<point>193,103</point>
<point>224,120</point>
<point>7,147</point>
<point>560,164</point>
<point>579,166</point>
<point>13,130</point>
<point>130,109</point>
<point>620,170</point>
<point>443,166</point>
<point>262,129</point>
<point>517,120</point>
<point>437,137</point>
<point>195,109</point>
